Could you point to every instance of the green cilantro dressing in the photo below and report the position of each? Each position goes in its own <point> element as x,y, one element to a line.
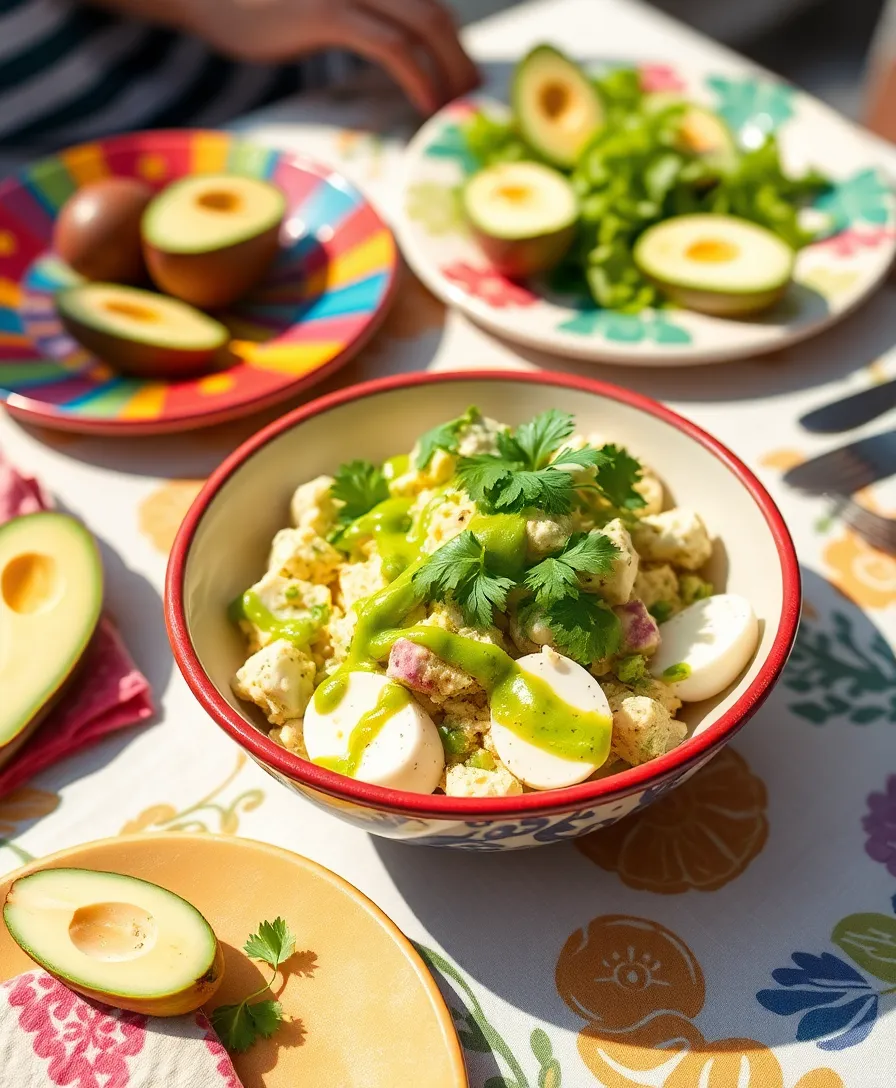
<point>389,524</point>
<point>396,466</point>
<point>525,704</point>
<point>504,538</point>
<point>675,673</point>
<point>299,630</point>
<point>392,698</point>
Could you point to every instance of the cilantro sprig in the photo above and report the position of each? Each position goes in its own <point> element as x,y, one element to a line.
<point>558,576</point>
<point>360,486</point>
<point>444,437</point>
<point>582,626</point>
<point>239,1026</point>
<point>532,468</point>
<point>458,570</point>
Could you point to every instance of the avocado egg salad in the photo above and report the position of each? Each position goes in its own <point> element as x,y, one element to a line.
<point>501,609</point>
<point>637,197</point>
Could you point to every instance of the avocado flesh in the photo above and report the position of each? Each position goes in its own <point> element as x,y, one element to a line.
<point>704,134</point>
<point>209,239</point>
<point>523,215</point>
<point>555,107</point>
<point>51,592</point>
<point>116,939</point>
<point>140,332</point>
<point>716,264</point>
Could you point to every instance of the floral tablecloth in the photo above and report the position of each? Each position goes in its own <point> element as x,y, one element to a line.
<point>739,933</point>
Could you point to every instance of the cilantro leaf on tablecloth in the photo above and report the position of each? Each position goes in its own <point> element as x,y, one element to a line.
<point>273,943</point>
<point>239,1026</point>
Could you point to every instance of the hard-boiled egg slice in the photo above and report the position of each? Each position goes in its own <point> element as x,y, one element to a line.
<point>404,752</point>
<point>706,646</point>
<point>538,768</point>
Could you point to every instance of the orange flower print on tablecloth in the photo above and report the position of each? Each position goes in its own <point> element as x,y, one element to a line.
<point>639,988</point>
<point>864,574</point>
<point>700,836</point>
<point>161,512</point>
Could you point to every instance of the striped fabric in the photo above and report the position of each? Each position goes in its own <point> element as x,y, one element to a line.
<point>70,72</point>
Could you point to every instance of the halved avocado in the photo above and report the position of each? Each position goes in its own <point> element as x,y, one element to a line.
<point>209,238</point>
<point>717,264</point>
<point>555,106</point>
<point>51,592</point>
<point>116,939</point>
<point>523,215</point>
<point>140,332</point>
<point>704,134</point>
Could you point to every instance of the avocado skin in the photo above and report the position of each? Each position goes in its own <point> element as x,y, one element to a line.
<point>562,161</point>
<point>189,1000</point>
<point>518,258</point>
<point>721,303</point>
<point>216,278</point>
<point>143,360</point>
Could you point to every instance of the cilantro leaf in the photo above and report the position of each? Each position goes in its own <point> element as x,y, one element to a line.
<point>617,478</point>
<point>360,485</point>
<point>483,474</point>
<point>551,580</point>
<point>557,576</point>
<point>590,553</point>
<point>480,596</point>
<point>587,457</point>
<point>584,628</point>
<point>458,570</point>
<point>273,943</point>
<point>542,435</point>
<point>455,562</point>
<point>546,489</point>
<point>239,1026</point>
<point>444,437</point>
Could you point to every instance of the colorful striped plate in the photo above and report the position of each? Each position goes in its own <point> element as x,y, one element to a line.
<point>328,291</point>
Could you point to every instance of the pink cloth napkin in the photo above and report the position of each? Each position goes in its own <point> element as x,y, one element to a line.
<point>108,692</point>
<point>50,1035</point>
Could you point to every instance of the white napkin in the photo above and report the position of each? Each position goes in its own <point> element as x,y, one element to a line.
<point>49,1035</point>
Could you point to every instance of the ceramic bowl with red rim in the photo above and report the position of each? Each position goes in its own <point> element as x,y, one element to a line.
<point>327,292</point>
<point>223,543</point>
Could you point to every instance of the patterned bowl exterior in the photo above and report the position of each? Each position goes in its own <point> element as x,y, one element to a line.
<point>327,292</point>
<point>486,835</point>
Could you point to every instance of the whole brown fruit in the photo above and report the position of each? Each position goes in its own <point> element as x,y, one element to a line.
<point>97,232</point>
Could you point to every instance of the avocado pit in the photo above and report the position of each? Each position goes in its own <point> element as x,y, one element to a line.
<point>30,583</point>
<point>113,932</point>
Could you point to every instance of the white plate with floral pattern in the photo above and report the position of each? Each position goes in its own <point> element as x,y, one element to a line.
<point>831,276</point>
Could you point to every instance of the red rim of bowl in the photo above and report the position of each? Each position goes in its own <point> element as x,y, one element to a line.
<point>442,807</point>
<point>37,414</point>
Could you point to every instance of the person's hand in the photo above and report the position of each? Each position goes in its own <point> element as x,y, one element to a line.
<point>414,40</point>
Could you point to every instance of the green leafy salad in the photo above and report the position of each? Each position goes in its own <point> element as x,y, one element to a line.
<point>415,606</point>
<point>587,178</point>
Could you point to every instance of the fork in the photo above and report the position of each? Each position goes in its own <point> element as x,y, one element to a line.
<point>879,531</point>
<point>849,468</point>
